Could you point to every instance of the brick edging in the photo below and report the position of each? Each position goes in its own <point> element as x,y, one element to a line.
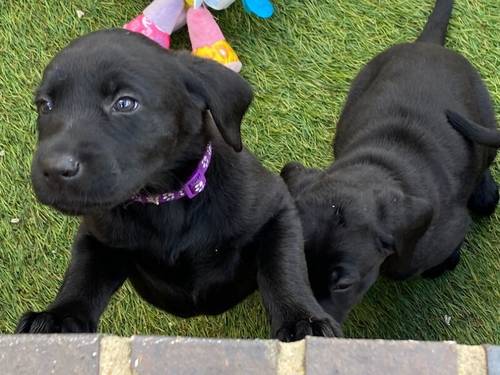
<point>114,356</point>
<point>137,355</point>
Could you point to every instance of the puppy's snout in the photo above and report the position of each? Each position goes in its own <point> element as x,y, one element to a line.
<point>61,168</point>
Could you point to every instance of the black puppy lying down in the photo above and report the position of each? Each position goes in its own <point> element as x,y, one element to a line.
<point>395,199</point>
<point>121,116</point>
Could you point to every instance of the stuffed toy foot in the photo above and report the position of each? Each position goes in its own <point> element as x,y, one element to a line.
<point>214,4</point>
<point>158,20</point>
<point>207,39</point>
<point>261,8</point>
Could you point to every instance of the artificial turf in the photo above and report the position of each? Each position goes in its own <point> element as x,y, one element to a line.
<point>300,63</point>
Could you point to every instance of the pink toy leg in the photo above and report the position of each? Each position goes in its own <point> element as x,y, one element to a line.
<point>207,39</point>
<point>158,20</point>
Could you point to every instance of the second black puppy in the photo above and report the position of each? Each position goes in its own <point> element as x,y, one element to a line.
<point>169,201</point>
<point>395,199</point>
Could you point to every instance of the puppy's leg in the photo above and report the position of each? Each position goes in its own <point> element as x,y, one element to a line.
<point>283,281</point>
<point>94,274</point>
<point>484,199</point>
<point>448,265</point>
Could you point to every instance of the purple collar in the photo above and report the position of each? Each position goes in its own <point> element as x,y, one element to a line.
<point>194,186</point>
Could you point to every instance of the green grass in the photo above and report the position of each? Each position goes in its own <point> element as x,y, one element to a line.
<point>300,63</point>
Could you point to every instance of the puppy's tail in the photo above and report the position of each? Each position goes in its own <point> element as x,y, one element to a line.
<point>437,23</point>
<point>474,132</point>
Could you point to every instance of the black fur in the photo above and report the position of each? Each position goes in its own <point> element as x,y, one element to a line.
<point>484,198</point>
<point>395,199</point>
<point>474,132</point>
<point>187,257</point>
<point>448,265</point>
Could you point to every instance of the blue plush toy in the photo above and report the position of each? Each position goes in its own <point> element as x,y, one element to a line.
<point>261,8</point>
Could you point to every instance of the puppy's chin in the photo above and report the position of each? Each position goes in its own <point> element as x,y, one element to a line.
<point>80,208</point>
<point>80,203</point>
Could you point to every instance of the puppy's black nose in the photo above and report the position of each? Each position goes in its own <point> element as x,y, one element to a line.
<point>61,167</point>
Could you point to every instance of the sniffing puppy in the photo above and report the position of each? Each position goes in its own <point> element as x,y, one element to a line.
<point>168,201</point>
<point>395,199</point>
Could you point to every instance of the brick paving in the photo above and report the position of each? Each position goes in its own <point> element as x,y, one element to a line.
<point>138,355</point>
<point>493,353</point>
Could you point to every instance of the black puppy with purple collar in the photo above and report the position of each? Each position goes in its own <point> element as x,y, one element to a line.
<point>144,144</point>
<point>395,200</point>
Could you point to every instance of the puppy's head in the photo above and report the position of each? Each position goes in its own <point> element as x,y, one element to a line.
<point>117,113</point>
<point>351,230</point>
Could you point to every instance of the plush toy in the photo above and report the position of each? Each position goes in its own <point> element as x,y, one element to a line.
<point>162,17</point>
<point>261,8</point>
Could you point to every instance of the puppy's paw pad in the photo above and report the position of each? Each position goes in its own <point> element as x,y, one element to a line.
<point>326,327</point>
<point>294,331</point>
<point>48,322</point>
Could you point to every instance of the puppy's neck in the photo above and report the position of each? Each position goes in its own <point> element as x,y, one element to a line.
<point>220,171</point>
<point>190,153</point>
<point>185,165</point>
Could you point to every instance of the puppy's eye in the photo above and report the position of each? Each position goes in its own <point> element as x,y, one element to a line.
<point>341,282</point>
<point>44,106</point>
<point>125,104</point>
<point>342,285</point>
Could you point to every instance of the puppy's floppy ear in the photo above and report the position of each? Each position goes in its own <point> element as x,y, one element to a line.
<point>386,244</point>
<point>405,219</point>
<point>225,93</point>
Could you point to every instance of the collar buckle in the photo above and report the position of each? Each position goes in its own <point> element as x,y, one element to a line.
<point>195,185</point>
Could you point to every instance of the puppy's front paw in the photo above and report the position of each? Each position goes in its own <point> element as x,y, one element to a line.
<point>294,331</point>
<point>49,322</point>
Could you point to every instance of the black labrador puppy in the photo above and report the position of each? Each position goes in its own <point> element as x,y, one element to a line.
<point>144,144</point>
<point>395,199</point>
